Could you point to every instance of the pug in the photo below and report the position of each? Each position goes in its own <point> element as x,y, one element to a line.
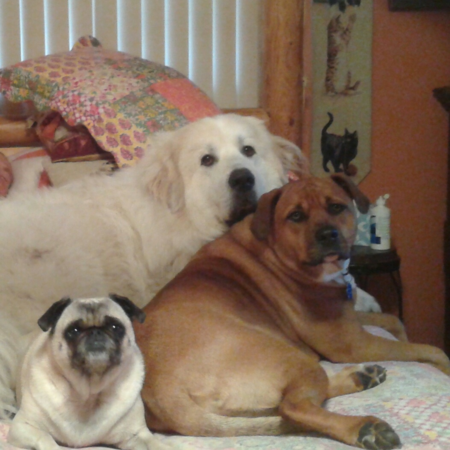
<point>81,379</point>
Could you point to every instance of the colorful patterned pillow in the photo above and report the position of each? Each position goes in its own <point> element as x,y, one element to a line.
<point>121,99</point>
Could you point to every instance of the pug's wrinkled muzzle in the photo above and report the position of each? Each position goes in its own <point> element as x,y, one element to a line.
<point>96,341</point>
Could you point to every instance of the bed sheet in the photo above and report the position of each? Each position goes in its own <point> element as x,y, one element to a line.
<point>414,400</point>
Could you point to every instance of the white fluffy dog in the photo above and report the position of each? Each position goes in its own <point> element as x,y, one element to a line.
<point>132,232</point>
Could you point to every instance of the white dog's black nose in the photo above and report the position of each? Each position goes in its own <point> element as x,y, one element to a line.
<point>241,180</point>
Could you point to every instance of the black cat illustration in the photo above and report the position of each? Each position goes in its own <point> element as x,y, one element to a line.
<point>343,3</point>
<point>340,150</point>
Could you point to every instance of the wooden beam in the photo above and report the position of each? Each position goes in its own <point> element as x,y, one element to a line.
<point>14,130</point>
<point>15,133</point>
<point>282,90</point>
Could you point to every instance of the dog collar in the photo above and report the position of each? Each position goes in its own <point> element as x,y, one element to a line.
<point>348,284</point>
<point>349,291</point>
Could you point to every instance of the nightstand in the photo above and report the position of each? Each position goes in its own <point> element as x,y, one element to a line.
<point>365,262</point>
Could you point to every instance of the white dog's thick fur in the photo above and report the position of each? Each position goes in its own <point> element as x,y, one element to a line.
<point>129,233</point>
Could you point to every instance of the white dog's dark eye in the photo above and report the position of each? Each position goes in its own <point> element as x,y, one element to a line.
<point>208,160</point>
<point>248,150</point>
<point>297,216</point>
<point>336,208</point>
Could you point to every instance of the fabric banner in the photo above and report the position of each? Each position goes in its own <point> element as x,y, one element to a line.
<point>342,87</point>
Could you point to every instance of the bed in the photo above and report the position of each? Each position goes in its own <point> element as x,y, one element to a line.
<point>414,400</point>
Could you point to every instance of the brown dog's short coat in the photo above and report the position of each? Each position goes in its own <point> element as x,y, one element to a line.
<point>232,345</point>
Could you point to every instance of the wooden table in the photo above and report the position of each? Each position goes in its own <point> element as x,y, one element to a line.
<point>365,262</point>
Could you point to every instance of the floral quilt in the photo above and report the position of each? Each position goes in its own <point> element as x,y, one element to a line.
<point>121,99</point>
<point>415,400</point>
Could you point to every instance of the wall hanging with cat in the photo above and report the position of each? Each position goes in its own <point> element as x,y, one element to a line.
<point>341,86</point>
<point>339,150</point>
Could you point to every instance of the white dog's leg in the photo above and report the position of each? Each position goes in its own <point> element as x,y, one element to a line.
<point>9,360</point>
<point>23,435</point>
<point>144,440</point>
<point>365,302</point>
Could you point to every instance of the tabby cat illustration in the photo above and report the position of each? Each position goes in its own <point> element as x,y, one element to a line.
<point>338,77</point>
<point>339,150</point>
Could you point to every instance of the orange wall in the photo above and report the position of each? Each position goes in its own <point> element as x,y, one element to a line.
<point>411,56</point>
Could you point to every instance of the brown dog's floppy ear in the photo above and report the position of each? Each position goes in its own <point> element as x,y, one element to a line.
<point>131,310</point>
<point>160,173</point>
<point>263,217</point>
<point>362,202</point>
<point>52,315</point>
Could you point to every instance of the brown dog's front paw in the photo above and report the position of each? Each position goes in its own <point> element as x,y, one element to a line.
<point>378,436</point>
<point>370,376</point>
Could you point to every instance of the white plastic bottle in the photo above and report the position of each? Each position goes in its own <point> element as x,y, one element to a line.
<point>380,225</point>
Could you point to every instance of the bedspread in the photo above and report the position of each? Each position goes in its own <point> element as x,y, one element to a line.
<point>414,399</point>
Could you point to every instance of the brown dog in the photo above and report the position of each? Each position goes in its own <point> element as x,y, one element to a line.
<point>232,344</point>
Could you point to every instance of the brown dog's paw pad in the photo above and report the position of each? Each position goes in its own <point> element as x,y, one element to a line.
<point>370,376</point>
<point>378,436</point>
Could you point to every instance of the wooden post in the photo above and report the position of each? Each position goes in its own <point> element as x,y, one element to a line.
<point>443,95</point>
<point>282,90</point>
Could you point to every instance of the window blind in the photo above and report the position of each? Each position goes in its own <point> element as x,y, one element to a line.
<point>216,43</point>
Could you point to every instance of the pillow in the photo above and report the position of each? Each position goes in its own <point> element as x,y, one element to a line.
<point>121,99</point>
<point>29,166</point>
<point>66,143</point>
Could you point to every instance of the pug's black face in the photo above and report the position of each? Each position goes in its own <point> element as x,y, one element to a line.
<point>91,336</point>
<point>95,348</point>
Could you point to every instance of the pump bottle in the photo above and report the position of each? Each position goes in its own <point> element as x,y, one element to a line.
<point>380,225</point>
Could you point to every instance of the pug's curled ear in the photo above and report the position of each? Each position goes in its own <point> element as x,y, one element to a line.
<point>51,317</point>
<point>263,217</point>
<point>362,202</point>
<point>131,310</point>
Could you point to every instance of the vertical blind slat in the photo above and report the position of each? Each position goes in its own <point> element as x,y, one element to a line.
<point>105,23</point>
<point>9,32</point>
<point>80,19</point>
<point>224,47</point>
<point>153,30</point>
<point>129,26</point>
<point>200,44</point>
<point>248,52</point>
<point>32,28</point>
<point>177,33</point>
<point>56,19</point>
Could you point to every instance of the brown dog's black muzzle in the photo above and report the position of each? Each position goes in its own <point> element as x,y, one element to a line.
<point>327,236</point>
<point>329,241</point>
